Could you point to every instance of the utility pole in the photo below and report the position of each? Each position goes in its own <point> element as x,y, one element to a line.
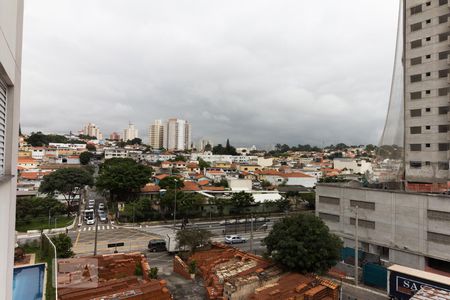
<point>251,233</point>
<point>175,207</point>
<point>356,245</point>
<point>96,229</point>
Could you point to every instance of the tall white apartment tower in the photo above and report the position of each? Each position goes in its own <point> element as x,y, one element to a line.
<point>91,129</point>
<point>11,20</point>
<point>130,133</point>
<point>426,61</point>
<point>156,134</point>
<point>177,135</point>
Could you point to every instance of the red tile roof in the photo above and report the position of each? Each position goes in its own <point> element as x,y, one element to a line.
<point>213,188</point>
<point>203,182</point>
<point>190,186</point>
<point>296,175</point>
<point>150,187</point>
<point>161,176</point>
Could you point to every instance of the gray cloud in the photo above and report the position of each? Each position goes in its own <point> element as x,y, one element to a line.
<point>256,71</point>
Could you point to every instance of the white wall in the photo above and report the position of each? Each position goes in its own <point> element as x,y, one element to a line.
<point>11,14</point>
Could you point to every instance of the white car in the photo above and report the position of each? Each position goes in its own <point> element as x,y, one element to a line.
<point>101,206</point>
<point>90,221</point>
<point>234,239</point>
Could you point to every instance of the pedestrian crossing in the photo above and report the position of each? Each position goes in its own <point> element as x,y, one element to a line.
<point>100,227</point>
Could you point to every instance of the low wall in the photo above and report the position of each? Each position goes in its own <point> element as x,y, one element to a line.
<point>180,267</point>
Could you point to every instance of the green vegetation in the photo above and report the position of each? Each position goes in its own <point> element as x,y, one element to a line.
<point>69,182</point>
<point>153,273</point>
<point>138,269</point>
<point>193,238</point>
<point>38,139</point>
<point>63,244</point>
<point>227,150</point>
<point>203,164</point>
<point>303,243</point>
<point>170,182</point>
<point>135,141</point>
<point>85,157</point>
<point>192,267</point>
<point>283,148</point>
<point>242,200</point>
<point>40,223</point>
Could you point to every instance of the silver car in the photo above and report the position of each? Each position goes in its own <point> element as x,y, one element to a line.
<point>234,239</point>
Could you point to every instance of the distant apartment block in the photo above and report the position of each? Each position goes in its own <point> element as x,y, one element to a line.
<point>203,143</point>
<point>130,133</point>
<point>156,134</point>
<point>11,20</point>
<point>91,129</point>
<point>177,135</point>
<point>426,85</point>
<point>115,136</point>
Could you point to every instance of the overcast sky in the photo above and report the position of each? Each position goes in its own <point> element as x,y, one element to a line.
<point>255,71</point>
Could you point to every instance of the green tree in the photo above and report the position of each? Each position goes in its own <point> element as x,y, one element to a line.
<point>227,150</point>
<point>153,273</point>
<point>35,207</point>
<point>135,141</point>
<point>208,147</point>
<point>69,182</point>
<point>223,182</point>
<point>310,198</point>
<point>63,244</point>
<point>123,178</point>
<point>85,157</point>
<point>193,238</point>
<point>169,183</point>
<point>265,184</point>
<point>203,164</point>
<point>303,243</point>
<point>242,200</point>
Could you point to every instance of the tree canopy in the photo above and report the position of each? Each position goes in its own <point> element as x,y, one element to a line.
<point>203,164</point>
<point>135,141</point>
<point>69,182</point>
<point>38,139</point>
<point>122,177</point>
<point>227,150</point>
<point>242,200</point>
<point>303,243</point>
<point>63,244</point>
<point>85,157</point>
<point>170,182</point>
<point>193,238</point>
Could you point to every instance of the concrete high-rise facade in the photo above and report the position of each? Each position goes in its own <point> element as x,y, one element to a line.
<point>177,135</point>
<point>130,133</point>
<point>91,129</point>
<point>156,134</point>
<point>426,90</point>
<point>11,20</point>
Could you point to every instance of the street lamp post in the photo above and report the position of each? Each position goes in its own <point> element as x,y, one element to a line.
<point>175,207</point>
<point>356,245</point>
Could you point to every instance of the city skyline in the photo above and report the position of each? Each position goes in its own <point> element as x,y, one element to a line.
<point>255,84</point>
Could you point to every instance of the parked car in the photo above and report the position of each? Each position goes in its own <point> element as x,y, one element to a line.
<point>101,206</point>
<point>103,217</point>
<point>157,245</point>
<point>234,239</point>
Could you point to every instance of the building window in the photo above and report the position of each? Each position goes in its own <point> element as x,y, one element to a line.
<point>329,217</point>
<point>428,56</point>
<point>443,19</point>
<point>428,109</point>
<point>428,3</point>
<point>415,164</point>
<point>416,26</point>
<point>443,2</point>
<point>428,74</point>
<point>428,92</point>
<point>363,223</point>
<point>416,44</point>
<point>438,215</point>
<point>416,112</point>
<point>443,54</point>
<point>329,200</point>
<point>2,126</point>
<point>443,91</point>
<point>443,146</point>
<point>415,147</point>
<point>416,95</point>
<point>415,130</point>
<point>443,37</point>
<point>443,165</point>
<point>428,163</point>
<point>428,21</point>
<point>416,9</point>
<point>427,127</point>
<point>443,128</point>
<point>443,110</point>
<point>416,60</point>
<point>362,204</point>
<point>443,73</point>
<point>416,78</point>
<point>428,38</point>
<point>427,145</point>
<point>438,238</point>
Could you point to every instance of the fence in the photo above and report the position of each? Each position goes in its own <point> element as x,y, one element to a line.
<point>375,275</point>
<point>48,252</point>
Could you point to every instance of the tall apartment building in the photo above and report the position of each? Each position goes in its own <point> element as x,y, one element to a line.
<point>156,134</point>
<point>11,20</point>
<point>177,135</point>
<point>91,129</point>
<point>130,133</point>
<point>115,136</point>
<point>426,90</point>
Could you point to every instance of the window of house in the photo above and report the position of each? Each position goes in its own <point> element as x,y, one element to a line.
<point>428,3</point>
<point>363,223</point>
<point>443,146</point>
<point>428,38</point>
<point>415,164</point>
<point>427,109</point>
<point>428,74</point>
<point>443,128</point>
<point>329,200</point>
<point>416,9</point>
<point>416,112</point>
<point>443,91</point>
<point>362,204</point>
<point>416,78</point>
<point>428,56</point>
<point>416,60</point>
<point>427,145</point>
<point>415,147</point>
<point>443,165</point>
<point>416,26</point>
<point>428,127</point>
<point>443,2</point>
<point>428,92</point>
<point>443,110</point>
<point>416,95</point>
<point>428,21</point>
<point>416,44</point>
<point>2,126</point>
<point>428,163</point>
<point>329,217</point>
<point>415,130</point>
<point>443,19</point>
<point>443,73</point>
<point>443,37</point>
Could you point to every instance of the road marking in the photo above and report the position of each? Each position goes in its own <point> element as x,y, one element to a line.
<point>78,237</point>
<point>84,229</point>
<point>103,227</point>
<point>90,228</point>
<point>107,226</point>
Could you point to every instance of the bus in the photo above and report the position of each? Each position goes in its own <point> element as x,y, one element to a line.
<point>89,216</point>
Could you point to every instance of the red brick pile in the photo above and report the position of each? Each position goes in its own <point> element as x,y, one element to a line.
<point>180,267</point>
